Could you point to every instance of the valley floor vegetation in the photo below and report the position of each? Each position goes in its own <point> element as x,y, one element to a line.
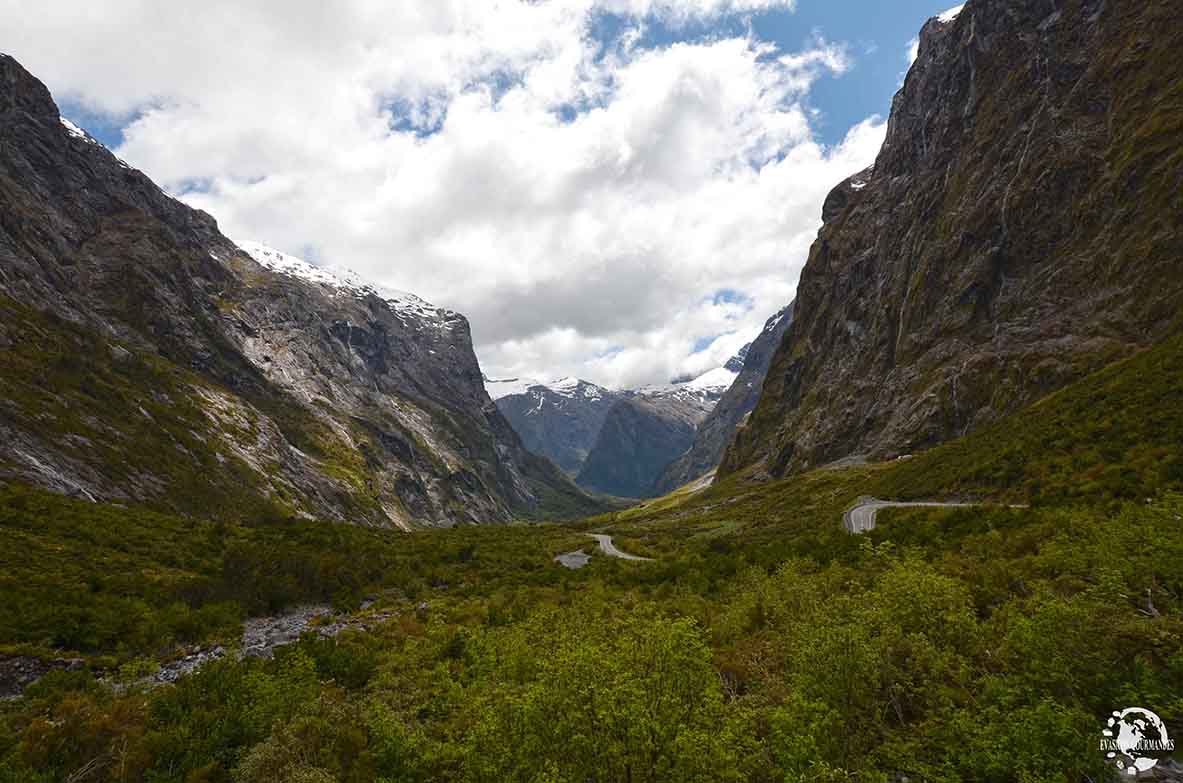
<point>763,642</point>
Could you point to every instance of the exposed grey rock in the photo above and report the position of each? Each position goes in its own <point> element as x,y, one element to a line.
<point>310,397</point>
<point>573,560</point>
<point>736,363</point>
<point>20,671</point>
<point>1020,228</point>
<point>261,635</point>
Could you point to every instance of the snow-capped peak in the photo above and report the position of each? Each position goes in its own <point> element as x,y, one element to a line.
<point>564,384</point>
<point>950,15</point>
<point>718,378</point>
<point>338,278</point>
<point>566,387</point>
<point>708,386</point>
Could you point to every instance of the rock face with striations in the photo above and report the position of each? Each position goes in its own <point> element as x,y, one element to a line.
<point>1020,228</point>
<point>717,429</point>
<point>146,357</point>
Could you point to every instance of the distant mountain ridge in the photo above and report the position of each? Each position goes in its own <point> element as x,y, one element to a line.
<point>642,433</point>
<point>620,442</point>
<point>559,421</point>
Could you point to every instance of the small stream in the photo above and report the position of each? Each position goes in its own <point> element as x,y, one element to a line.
<point>261,636</point>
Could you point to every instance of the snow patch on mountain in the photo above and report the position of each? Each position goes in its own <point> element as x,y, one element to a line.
<point>504,387</point>
<point>342,280</point>
<point>564,387</point>
<point>951,14</point>
<point>718,378</point>
<point>75,131</point>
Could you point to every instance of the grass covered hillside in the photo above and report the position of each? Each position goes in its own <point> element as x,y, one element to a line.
<point>762,643</point>
<point>1115,436</point>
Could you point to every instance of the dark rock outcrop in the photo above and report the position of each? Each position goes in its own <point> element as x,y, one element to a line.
<point>717,429</point>
<point>1020,228</point>
<point>149,358</point>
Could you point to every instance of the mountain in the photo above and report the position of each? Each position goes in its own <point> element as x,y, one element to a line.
<point>646,430</point>
<point>717,429</point>
<point>1020,228</point>
<point>560,420</point>
<point>148,358</point>
<point>735,363</point>
<point>615,442</point>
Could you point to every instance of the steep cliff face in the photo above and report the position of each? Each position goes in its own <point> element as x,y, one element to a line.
<point>148,357</point>
<point>717,429</point>
<point>561,420</point>
<point>641,435</point>
<point>1020,227</point>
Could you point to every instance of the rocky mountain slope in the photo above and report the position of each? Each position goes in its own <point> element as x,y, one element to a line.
<point>147,357</point>
<point>564,419</point>
<point>560,420</point>
<point>717,429</point>
<point>643,433</point>
<point>1020,228</point>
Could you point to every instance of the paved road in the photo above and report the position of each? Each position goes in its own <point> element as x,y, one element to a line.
<point>608,548</point>
<point>861,517</point>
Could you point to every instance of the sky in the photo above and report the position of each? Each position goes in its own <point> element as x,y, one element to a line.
<point>616,190</point>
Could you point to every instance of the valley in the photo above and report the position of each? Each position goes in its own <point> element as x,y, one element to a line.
<point>265,521</point>
<point>639,443</point>
<point>736,584</point>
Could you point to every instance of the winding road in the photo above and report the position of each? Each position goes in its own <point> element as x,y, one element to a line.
<point>608,548</point>
<point>861,517</point>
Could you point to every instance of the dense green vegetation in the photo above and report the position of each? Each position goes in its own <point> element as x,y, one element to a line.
<point>763,643</point>
<point>125,581</point>
<point>1115,436</point>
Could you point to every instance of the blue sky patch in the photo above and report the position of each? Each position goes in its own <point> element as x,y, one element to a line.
<point>875,34</point>
<point>730,296</point>
<point>107,130</point>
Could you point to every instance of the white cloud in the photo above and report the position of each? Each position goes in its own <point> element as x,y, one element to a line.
<point>581,207</point>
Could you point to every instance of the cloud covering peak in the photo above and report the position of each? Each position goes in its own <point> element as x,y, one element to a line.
<point>581,195</point>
